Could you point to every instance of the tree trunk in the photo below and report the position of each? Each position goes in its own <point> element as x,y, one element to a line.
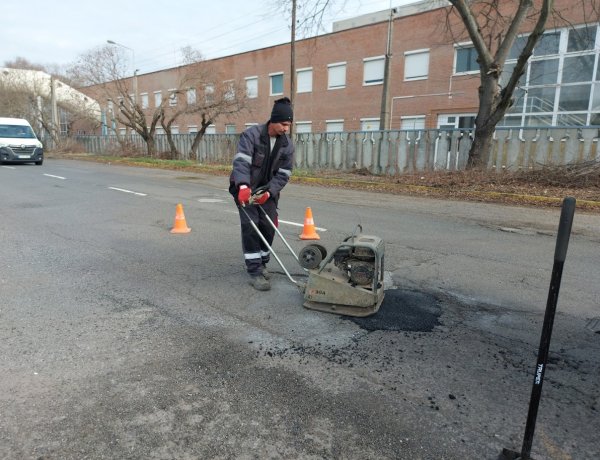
<point>204,124</point>
<point>488,116</point>
<point>174,153</point>
<point>196,142</point>
<point>479,152</point>
<point>150,146</point>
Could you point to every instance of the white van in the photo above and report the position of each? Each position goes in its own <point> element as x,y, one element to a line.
<point>18,143</point>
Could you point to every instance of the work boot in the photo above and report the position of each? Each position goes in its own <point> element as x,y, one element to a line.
<point>259,283</point>
<point>266,273</point>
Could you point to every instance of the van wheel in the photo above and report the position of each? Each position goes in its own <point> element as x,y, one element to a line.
<point>39,163</point>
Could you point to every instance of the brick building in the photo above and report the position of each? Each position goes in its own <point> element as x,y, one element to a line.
<point>433,75</point>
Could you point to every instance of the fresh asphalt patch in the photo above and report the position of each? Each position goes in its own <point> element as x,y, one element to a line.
<point>403,310</point>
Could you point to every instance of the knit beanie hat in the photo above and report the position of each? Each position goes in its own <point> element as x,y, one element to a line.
<point>282,111</point>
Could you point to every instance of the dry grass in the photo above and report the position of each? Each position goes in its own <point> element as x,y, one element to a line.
<point>543,187</point>
<point>546,186</point>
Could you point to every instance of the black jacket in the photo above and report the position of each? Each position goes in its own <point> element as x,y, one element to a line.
<point>254,164</point>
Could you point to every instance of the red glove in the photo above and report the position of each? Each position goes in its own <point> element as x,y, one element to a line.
<point>244,194</point>
<point>262,199</point>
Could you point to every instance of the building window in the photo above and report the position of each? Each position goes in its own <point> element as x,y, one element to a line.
<point>540,99</point>
<point>557,87</point>
<point>373,70</point>
<point>230,129</point>
<point>369,124</point>
<point>461,121</point>
<point>252,87</point>
<point>174,129</point>
<point>144,100</point>
<point>578,68</point>
<point>334,126</point>
<point>416,65</point>
<point>304,81</point>
<point>192,129</point>
<point>276,84</point>
<point>517,48</point>
<point>157,99</point>
<point>596,100</point>
<point>574,97</point>
<point>211,129</point>
<point>543,72</point>
<point>172,97</point>
<point>209,93</point>
<point>248,125</point>
<point>303,127</point>
<point>466,59</point>
<point>414,123</point>
<point>229,88</point>
<point>582,39</point>
<point>191,96</point>
<point>336,78</point>
<point>548,44</point>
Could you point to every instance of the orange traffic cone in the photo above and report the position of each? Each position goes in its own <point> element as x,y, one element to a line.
<point>180,225</point>
<point>309,232</point>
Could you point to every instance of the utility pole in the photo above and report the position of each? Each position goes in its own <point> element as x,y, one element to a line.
<point>293,57</point>
<point>55,125</point>
<point>384,119</point>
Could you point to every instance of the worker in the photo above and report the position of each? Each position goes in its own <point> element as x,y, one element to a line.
<point>264,161</point>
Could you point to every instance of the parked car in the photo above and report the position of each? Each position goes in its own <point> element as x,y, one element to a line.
<point>18,142</point>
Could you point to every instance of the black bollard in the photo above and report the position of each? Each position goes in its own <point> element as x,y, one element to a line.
<point>560,253</point>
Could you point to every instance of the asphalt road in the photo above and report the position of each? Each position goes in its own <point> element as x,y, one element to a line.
<point>119,339</point>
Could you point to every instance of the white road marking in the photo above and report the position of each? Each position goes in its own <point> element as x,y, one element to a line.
<point>127,191</point>
<point>300,225</point>
<point>287,222</point>
<point>210,200</point>
<point>9,167</point>
<point>56,177</point>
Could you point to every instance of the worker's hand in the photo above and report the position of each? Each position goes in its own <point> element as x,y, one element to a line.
<point>262,198</point>
<point>244,193</point>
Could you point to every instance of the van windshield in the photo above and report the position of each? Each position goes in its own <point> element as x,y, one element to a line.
<point>16,132</point>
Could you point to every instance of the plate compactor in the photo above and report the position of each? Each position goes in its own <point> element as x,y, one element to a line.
<point>347,281</point>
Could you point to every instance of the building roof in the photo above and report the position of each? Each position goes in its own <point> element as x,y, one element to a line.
<point>384,15</point>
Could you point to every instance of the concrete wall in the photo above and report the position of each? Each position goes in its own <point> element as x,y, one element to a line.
<point>392,152</point>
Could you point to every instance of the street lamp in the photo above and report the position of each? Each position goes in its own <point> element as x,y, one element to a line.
<point>111,42</point>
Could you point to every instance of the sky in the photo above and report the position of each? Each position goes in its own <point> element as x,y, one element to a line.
<point>152,33</point>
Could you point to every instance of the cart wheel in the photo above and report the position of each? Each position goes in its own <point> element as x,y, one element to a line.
<point>322,249</point>
<point>310,256</point>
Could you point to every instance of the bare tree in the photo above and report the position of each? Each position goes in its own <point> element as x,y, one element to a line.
<point>22,63</point>
<point>493,27</point>
<point>36,95</point>
<point>223,100</point>
<point>190,55</point>
<point>198,96</point>
<point>104,71</point>
<point>310,14</point>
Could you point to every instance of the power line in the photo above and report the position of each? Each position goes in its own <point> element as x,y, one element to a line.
<point>175,46</point>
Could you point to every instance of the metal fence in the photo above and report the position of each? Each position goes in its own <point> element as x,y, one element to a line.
<point>387,152</point>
